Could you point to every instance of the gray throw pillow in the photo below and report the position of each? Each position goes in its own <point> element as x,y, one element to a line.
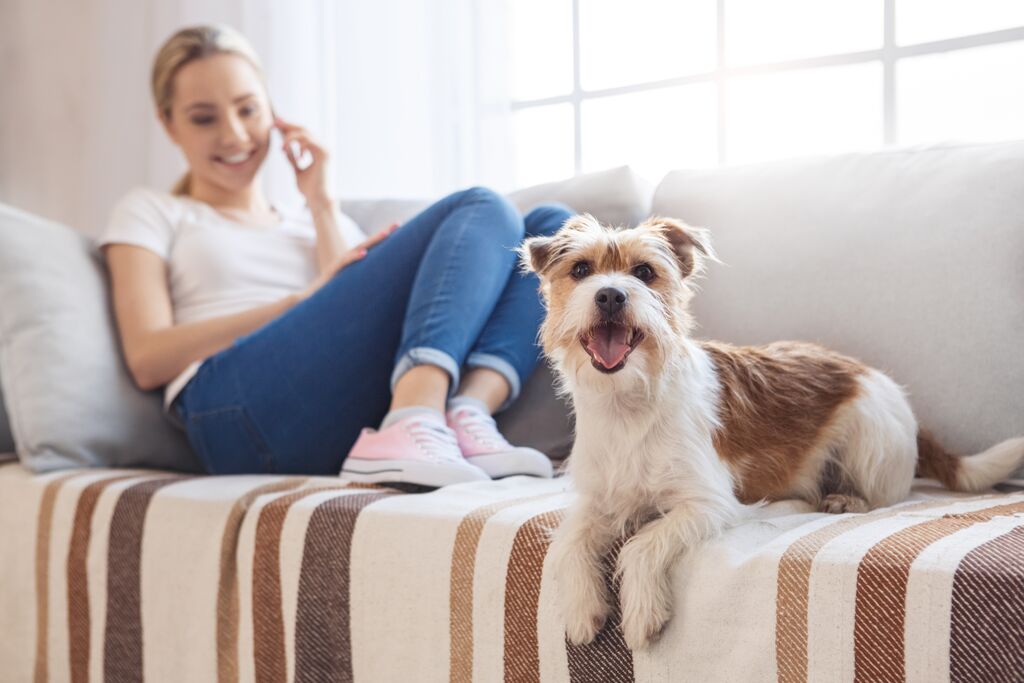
<point>68,394</point>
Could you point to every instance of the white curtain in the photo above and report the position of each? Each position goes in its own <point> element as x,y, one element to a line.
<point>409,95</point>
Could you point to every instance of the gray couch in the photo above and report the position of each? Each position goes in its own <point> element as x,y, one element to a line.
<point>910,259</point>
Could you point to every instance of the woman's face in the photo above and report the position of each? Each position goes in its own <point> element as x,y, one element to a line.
<point>221,120</point>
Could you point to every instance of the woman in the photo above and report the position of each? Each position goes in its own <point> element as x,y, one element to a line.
<point>280,338</point>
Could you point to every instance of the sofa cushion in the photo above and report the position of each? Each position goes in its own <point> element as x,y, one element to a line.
<point>70,399</point>
<point>911,260</point>
<point>307,578</point>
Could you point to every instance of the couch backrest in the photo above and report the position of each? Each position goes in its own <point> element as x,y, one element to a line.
<point>616,196</point>
<point>910,259</point>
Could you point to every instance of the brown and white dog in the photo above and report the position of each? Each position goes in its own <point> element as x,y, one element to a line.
<point>675,437</point>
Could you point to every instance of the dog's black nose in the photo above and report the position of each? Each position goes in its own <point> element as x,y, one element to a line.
<point>610,300</point>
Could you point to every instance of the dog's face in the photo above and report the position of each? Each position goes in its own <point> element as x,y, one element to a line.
<point>616,298</point>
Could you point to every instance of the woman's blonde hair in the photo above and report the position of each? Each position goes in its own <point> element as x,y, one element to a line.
<point>187,45</point>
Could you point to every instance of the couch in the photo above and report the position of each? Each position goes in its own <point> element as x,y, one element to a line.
<point>910,259</point>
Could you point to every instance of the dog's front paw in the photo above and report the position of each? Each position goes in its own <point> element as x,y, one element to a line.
<point>641,630</point>
<point>583,621</point>
<point>643,617</point>
<point>644,595</point>
<point>582,594</point>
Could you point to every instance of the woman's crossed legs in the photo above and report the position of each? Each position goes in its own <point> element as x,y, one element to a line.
<point>443,293</point>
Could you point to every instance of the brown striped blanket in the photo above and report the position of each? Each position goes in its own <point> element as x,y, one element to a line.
<point>128,575</point>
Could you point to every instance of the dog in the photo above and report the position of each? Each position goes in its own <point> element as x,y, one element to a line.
<point>677,439</point>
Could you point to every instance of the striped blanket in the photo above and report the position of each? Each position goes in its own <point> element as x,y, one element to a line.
<point>128,575</point>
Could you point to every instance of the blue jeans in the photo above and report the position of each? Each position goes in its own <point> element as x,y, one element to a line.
<point>445,290</point>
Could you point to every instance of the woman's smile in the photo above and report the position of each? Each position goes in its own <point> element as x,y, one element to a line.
<point>237,160</point>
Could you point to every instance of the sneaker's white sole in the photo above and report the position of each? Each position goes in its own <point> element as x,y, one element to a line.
<point>411,472</point>
<point>521,460</point>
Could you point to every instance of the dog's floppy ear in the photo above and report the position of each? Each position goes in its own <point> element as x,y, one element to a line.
<point>691,246</point>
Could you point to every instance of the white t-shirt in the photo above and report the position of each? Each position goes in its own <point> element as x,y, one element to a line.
<point>217,266</point>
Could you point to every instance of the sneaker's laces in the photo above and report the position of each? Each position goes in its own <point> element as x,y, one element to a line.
<point>483,428</point>
<point>436,440</point>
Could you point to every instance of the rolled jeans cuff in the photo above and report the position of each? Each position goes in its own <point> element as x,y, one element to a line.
<point>503,368</point>
<point>424,355</point>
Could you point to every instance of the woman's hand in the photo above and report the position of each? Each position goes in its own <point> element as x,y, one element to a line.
<point>348,258</point>
<point>312,178</point>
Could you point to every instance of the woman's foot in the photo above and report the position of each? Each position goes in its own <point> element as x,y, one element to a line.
<point>417,449</point>
<point>483,445</point>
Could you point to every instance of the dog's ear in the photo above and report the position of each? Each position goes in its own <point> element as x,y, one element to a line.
<point>535,254</point>
<point>691,246</point>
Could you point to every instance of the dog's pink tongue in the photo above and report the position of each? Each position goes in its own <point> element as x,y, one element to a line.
<point>609,345</point>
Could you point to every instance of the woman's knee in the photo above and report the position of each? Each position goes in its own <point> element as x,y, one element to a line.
<point>502,220</point>
<point>478,194</point>
<point>546,219</point>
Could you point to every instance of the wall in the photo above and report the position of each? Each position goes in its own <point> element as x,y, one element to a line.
<point>390,86</point>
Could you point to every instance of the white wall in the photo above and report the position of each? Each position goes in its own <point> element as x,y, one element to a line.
<point>391,86</point>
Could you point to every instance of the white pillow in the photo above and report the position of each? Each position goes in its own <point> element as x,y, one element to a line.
<point>910,259</point>
<point>617,196</point>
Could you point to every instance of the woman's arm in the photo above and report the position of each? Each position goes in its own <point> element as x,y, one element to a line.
<point>330,245</point>
<point>312,183</point>
<point>155,349</point>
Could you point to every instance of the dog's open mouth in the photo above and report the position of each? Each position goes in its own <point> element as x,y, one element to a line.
<point>609,344</point>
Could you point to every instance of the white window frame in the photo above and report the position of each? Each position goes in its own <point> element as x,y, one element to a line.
<point>889,54</point>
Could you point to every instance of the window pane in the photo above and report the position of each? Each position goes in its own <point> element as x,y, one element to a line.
<point>540,36</point>
<point>654,131</point>
<point>974,94</point>
<point>544,144</point>
<point>645,40</point>
<point>810,111</point>
<point>920,21</point>
<point>759,31</point>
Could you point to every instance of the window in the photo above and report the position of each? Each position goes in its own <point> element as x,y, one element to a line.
<point>663,84</point>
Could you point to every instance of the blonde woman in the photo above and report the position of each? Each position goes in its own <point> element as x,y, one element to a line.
<point>281,339</point>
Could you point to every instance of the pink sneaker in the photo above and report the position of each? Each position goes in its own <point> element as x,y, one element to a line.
<point>484,446</point>
<point>417,450</point>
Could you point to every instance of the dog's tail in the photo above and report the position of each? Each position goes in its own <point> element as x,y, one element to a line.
<point>968,472</point>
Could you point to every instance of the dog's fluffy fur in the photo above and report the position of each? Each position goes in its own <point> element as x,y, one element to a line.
<point>675,437</point>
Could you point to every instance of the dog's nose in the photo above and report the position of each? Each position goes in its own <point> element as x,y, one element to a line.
<point>610,300</point>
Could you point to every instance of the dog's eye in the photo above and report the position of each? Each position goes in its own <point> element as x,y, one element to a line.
<point>644,272</point>
<point>580,270</point>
